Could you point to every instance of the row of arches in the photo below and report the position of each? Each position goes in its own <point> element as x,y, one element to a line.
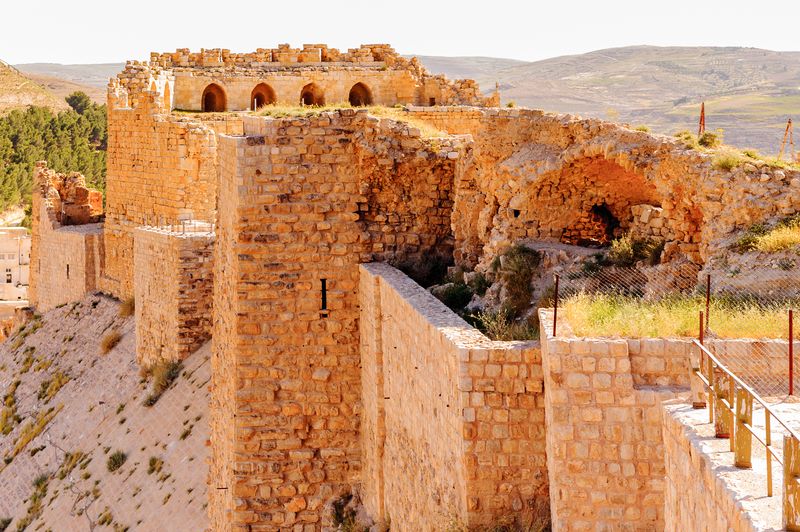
<point>214,98</point>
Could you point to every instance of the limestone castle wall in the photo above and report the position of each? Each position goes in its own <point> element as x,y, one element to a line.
<point>179,80</point>
<point>173,291</point>
<point>605,450</point>
<point>66,240</point>
<point>442,404</point>
<point>294,210</point>
<point>161,171</point>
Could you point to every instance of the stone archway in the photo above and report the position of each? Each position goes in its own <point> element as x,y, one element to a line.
<point>312,94</point>
<point>262,95</point>
<point>360,95</point>
<point>214,99</point>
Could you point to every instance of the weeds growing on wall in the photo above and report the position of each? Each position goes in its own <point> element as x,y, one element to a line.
<point>497,326</point>
<point>395,113</point>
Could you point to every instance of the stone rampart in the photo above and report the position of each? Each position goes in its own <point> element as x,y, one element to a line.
<point>605,451</point>
<point>452,428</point>
<point>173,291</point>
<point>66,239</point>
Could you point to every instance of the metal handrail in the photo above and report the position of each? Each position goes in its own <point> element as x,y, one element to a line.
<point>737,403</point>
<point>742,385</point>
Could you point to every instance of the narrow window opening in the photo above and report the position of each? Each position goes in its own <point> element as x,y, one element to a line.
<point>324,293</point>
<point>432,101</point>
<point>67,271</point>
<point>516,212</point>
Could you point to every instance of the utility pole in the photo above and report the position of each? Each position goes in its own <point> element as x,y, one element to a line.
<point>702,128</point>
<point>788,135</point>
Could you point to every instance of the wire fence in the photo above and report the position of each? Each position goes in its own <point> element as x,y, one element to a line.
<point>748,317</point>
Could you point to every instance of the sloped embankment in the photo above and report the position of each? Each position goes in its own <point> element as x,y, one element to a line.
<point>80,449</point>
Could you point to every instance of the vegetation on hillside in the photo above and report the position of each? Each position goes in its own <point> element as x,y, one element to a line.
<point>785,235</point>
<point>70,141</point>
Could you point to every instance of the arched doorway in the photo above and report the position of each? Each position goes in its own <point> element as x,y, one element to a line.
<point>214,99</point>
<point>360,95</point>
<point>312,95</point>
<point>262,95</point>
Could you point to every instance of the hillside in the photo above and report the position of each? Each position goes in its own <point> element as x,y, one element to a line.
<point>18,91</point>
<point>65,79</point>
<point>748,92</point>
<point>68,410</point>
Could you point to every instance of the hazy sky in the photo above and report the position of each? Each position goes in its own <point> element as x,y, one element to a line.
<point>95,31</point>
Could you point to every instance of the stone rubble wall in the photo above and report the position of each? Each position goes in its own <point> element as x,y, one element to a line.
<point>66,241</point>
<point>161,171</point>
<point>173,292</point>
<point>443,405</point>
<point>604,428</point>
<point>535,174</point>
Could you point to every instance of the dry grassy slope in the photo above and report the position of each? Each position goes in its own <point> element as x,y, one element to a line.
<point>18,91</point>
<point>102,412</point>
<point>748,92</point>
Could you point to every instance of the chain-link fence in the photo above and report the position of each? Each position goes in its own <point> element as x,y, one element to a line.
<point>746,316</point>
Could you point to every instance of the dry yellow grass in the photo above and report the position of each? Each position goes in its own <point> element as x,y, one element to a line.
<point>604,315</point>
<point>109,341</point>
<point>779,239</point>
<point>394,113</point>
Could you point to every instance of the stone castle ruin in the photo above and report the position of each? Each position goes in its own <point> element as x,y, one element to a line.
<point>333,373</point>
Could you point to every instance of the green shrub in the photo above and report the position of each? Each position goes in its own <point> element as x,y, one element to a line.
<point>116,460</point>
<point>643,129</point>
<point>511,104</point>
<point>710,140</point>
<point>626,252</point>
<point>688,139</point>
<point>479,284</point>
<point>516,269</point>
<point>455,295</point>
<point>749,240</point>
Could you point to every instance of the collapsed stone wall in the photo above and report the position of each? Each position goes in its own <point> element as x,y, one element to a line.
<point>66,238</point>
<point>459,414</point>
<point>536,174</point>
<point>173,291</point>
<point>286,350</point>
<point>161,171</point>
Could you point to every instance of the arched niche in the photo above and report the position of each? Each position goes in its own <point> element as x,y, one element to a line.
<point>360,95</point>
<point>312,95</point>
<point>167,97</point>
<point>262,95</point>
<point>214,99</point>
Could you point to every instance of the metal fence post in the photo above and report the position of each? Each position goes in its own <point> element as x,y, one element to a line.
<point>791,352</point>
<point>555,307</point>
<point>708,300</point>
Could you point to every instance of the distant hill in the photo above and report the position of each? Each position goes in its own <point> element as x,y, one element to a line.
<point>18,91</point>
<point>65,79</point>
<point>749,92</point>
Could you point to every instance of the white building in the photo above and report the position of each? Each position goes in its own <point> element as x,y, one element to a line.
<point>15,259</point>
